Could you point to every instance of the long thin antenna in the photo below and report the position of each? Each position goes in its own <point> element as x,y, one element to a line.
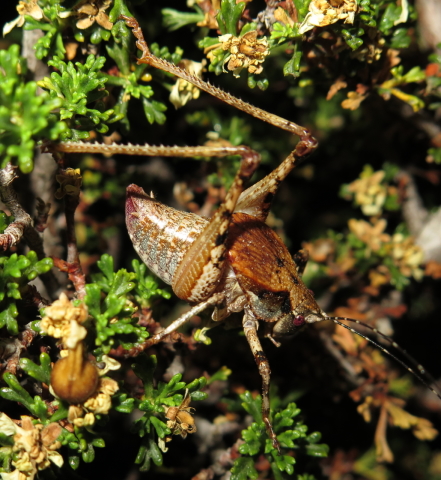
<point>420,374</point>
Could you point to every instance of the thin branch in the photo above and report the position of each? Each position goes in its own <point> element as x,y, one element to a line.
<point>22,226</point>
<point>15,231</point>
<point>70,183</point>
<point>40,219</point>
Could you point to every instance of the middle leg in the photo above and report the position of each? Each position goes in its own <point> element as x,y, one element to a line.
<point>250,326</point>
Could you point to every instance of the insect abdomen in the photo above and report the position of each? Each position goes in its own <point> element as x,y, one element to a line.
<point>161,235</point>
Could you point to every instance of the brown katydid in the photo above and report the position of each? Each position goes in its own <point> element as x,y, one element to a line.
<point>233,262</point>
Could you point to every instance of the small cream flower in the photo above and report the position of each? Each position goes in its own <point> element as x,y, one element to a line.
<point>182,90</point>
<point>76,334</point>
<point>371,234</point>
<point>369,192</point>
<point>407,256</point>
<point>79,418</point>
<point>29,8</point>
<point>323,12</point>
<point>61,317</point>
<point>245,52</point>
<point>91,11</point>
<point>109,364</point>
<point>98,404</point>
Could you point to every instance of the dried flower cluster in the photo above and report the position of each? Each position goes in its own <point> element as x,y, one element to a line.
<point>322,13</point>
<point>245,52</point>
<point>391,412</point>
<point>371,233</point>
<point>91,11</point>
<point>98,404</point>
<point>370,194</point>
<point>74,378</point>
<point>406,255</point>
<point>180,419</point>
<point>63,320</point>
<point>34,447</point>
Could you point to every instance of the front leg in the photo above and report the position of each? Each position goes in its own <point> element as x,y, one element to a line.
<point>256,201</point>
<point>250,326</point>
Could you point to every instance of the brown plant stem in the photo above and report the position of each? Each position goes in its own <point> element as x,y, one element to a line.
<point>14,231</point>
<point>42,214</point>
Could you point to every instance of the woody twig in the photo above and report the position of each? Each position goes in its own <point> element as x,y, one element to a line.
<point>70,182</point>
<point>22,226</point>
<point>22,221</point>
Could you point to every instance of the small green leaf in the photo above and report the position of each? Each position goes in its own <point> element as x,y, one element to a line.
<point>98,443</point>
<point>153,111</point>
<point>161,428</point>
<point>40,372</point>
<point>173,19</point>
<point>317,450</point>
<point>61,413</point>
<point>284,462</point>
<point>229,16</point>
<point>8,319</point>
<point>74,461</point>
<point>16,393</point>
<point>243,469</point>
<point>252,406</point>
<point>88,455</point>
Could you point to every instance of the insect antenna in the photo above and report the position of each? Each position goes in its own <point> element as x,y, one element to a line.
<point>420,373</point>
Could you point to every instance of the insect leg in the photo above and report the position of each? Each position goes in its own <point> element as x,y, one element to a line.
<point>213,300</point>
<point>301,259</point>
<point>198,274</point>
<point>250,328</point>
<point>307,141</point>
<point>257,200</point>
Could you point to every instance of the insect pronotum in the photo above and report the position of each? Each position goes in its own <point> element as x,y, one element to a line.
<point>233,262</point>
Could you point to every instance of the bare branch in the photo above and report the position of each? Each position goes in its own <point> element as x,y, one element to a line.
<point>22,221</point>
<point>22,226</point>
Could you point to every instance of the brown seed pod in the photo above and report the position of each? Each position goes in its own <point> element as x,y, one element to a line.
<point>74,379</point>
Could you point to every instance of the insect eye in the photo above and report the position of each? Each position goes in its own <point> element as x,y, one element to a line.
<point>299,320</point>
